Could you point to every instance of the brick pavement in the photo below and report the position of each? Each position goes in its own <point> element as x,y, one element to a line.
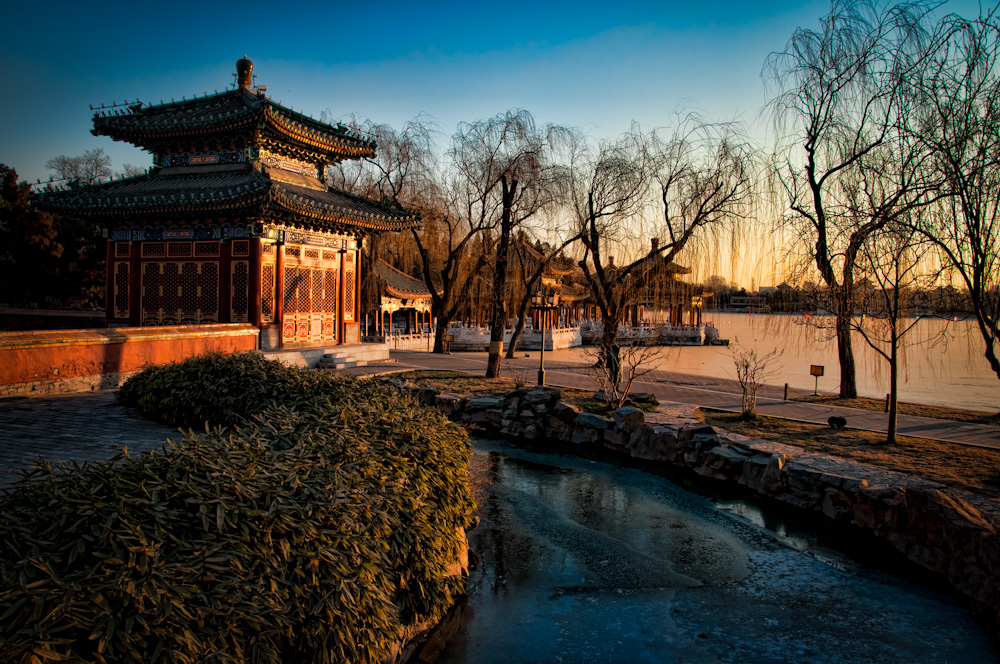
<point>77,427</point>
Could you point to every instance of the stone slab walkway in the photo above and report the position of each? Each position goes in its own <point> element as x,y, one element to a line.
<point>79,427</point>
<point>89,426</point>
<point>706,391</point>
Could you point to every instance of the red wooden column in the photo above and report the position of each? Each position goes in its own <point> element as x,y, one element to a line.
<point>341,292</point>
<point>109,279</point>
<point>357,286</point>
<point>279,286</point>
<point>256,265</point>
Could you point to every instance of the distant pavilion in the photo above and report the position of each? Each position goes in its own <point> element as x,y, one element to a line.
<point>406,303</point>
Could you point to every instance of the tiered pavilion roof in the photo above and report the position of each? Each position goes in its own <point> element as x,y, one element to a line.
<point>231,155</point>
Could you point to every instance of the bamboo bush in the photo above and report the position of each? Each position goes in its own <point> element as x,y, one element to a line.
<point>312,530</point>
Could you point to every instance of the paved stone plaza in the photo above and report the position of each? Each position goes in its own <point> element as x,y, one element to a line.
<point>72,427</point>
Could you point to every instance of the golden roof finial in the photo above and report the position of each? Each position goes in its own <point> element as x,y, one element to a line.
<point>244,72</point>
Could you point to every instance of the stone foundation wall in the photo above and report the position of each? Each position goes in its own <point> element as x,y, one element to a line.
<point>52,361</point>
<point>945,530</point>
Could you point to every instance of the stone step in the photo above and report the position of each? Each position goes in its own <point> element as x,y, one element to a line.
<point>339,361</point>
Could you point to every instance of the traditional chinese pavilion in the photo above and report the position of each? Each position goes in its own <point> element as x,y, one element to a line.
<point>406,302</point>
<point>235,222</point>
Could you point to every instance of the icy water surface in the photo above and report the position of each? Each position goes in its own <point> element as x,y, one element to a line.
<point>581,561</point>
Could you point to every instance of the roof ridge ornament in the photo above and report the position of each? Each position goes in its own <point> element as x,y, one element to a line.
<point>244,73</point>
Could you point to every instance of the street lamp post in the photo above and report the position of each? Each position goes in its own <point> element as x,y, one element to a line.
<point>544,304</point>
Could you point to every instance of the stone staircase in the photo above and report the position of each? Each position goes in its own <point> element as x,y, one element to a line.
<point>332,357</point>
<point>340,360</point>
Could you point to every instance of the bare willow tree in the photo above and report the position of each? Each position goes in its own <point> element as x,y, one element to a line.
<point>704,180</point>
<point>958,95</point>
<point>606,190</point>
<point>894,270</point>
<point>839,95</point>
<point>452,258</point>
<point>448,249</point>
<point>402,174</point>
<point>672,186</point>
<point>892,188</point>
<point>501,178</point>
<point>530,264</point>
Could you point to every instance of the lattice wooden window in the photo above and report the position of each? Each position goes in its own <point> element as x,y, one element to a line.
<point>349,295</point>
<point>302,282</point>
<point>303,305</point>
<point>292,251</point>
<point>209,292</point>
<point>312,254</point>
<point>153,250</point>
<point>241,247</point>
<point>151,308</point>
<point>329,255</point>
<point>189,294</point>
<point>330,291</point>
<point>121,273</point>
<point>206,249</point>
<point>316,292</point>
<point>268,249</point>
<point>240,296</point>
<point>171,290</point>
<point>122,250</point>
<point>180,293</point>
<point>178,249</point>
<point>290,303</point>
<point>267,292</point>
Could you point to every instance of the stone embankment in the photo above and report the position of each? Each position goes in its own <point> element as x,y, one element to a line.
<point>947,531</point>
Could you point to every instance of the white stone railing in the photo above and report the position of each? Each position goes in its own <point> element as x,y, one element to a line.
<point>665,335</point>
<point>469,338</point>
<point>413,341</point>
<point>556,338</point>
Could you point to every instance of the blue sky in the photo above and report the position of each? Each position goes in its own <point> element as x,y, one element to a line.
<point>599,66</point>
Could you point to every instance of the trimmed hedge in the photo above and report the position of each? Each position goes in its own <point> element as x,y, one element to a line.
<point>312,531</point>
<point>225,389</point>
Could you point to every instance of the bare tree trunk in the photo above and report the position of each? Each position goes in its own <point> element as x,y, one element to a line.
<point>498,319</point>
<point>518,329</point>
<point>611,352</point>
<point>439,335</point>
<point>845,355</point>
<point>989,334</point>
<point>890,437</point>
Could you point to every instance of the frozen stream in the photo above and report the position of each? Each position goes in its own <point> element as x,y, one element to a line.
<point>581,561</point>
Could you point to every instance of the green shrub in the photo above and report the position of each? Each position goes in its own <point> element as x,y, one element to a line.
<point>225,388</point>
<point>309,532</point>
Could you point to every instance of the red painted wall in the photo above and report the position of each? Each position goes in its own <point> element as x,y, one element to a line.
<point>49,355</point>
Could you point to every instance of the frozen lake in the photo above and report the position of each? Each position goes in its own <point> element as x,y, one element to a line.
<point>943,363</point>
<point>582,561</point>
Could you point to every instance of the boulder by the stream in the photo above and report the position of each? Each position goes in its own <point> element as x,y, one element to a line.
<point>948,531</point>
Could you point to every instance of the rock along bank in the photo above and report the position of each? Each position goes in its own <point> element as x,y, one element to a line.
<point>944,530</point>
